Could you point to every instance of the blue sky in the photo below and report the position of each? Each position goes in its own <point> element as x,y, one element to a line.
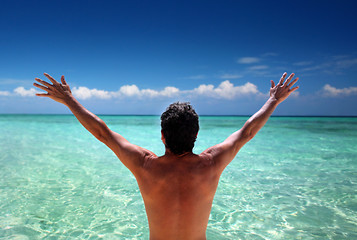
<point>136,57</point>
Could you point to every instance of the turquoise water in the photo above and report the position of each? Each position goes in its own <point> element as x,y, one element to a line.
<point>297,179</point>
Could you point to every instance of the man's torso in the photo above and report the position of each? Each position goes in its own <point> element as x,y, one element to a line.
<point>178,194</point>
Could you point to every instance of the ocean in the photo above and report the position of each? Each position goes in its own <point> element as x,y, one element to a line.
<point>297,179</point>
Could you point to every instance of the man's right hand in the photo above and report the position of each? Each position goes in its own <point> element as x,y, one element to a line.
<point>60,92</point>
<point>282,90</point>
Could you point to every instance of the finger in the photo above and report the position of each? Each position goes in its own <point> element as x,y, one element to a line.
<point>43,82</point>
<point>41,87</point>
<point>51,79</point>
<point>293,89</point>
<point>272,83</point>
<point>293,82</point>
<point>63,81</point>
<point>42,94</point>
<point>289,79</point>
<point>282,79</point>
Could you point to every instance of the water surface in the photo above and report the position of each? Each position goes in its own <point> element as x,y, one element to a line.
<point>297,179</point>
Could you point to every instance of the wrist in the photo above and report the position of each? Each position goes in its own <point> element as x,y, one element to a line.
<point>69,100</point>
<point>273,100</point>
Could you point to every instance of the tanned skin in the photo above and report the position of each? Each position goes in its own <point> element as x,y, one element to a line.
<point>178,190</point>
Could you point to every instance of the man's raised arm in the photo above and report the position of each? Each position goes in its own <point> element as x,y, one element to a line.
<point>131,155</point>
<point>224,152</point>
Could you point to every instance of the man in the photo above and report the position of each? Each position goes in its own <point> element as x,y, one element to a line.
<point>178,187</point>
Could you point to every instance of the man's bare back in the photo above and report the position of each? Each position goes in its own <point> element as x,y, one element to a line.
<point>178,188</point>
<point>178,194</point>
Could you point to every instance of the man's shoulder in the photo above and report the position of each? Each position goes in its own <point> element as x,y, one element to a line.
<point>215,155</point>
<point>148,157</point>
<point>212,152</point>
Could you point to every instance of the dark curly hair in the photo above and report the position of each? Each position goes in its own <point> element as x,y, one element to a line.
<point>179,125</point>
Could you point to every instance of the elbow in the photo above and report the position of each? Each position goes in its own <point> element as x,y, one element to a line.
<point>101,138</point>
<point>247,135</point>
<point>249,130</point>
<point>103,133</point>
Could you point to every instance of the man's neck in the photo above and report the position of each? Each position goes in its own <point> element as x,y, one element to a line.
<point>169,153</point>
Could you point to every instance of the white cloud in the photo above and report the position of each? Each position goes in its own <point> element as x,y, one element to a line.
<point>150,93</point>
<point>226,90</point>
<point>258,67</point>
<point>204,89</point>
<point>133,90</point>
<point>248,60</point>
<point>4,93</point>
<point>85,93</point>
<point>230,76</point>
<point>169,91</point>
<point>331,91</point>
<point>124,91</point>
<point>25,93</point>
<point>129,90</point>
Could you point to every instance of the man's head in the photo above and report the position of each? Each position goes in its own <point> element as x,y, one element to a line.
<point>179,127</point>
